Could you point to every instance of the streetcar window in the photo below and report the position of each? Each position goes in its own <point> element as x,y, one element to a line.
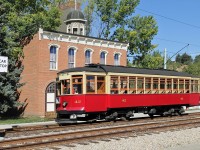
<point>123,85</point>
<point>162,83</point>
<point>90,86</point>
<point>169,84</point>
<point>194,86</point>
<point>58,88</point>
<point>132,84</point>
<point>65,86</point>
<point>140,85</point>
<point>114,85</point>
<point>100,84</point>
<point>148,85</point>
<point>181,86</point>
<point>187,86</point>
<point>175,85</point>
<point>77,84</point>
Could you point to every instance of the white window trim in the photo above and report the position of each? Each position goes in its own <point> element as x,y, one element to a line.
<point>91,52</point>
<point>57,50</point>
<point>75,50</point>
<point>106,53</point>
<point>120,54</point>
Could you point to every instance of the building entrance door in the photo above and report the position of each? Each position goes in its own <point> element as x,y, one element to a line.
<point>50,97</point>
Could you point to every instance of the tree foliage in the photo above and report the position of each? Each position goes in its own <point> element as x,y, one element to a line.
<point>19,21</point>
<point>117,21</point>
<point>197,59</point>
<point>193,69</point>
<point>152,61</point>
<point>184,59</point>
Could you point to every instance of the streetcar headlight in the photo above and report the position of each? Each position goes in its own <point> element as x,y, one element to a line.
<point>73,116</point>
<point>64,104</point>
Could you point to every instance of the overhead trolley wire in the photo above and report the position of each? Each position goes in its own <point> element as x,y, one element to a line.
<point>191,25</point>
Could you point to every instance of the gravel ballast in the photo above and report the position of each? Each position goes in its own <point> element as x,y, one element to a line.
<point>176,140</point>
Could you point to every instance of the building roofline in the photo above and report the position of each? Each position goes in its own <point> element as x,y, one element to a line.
<point>85,36</point>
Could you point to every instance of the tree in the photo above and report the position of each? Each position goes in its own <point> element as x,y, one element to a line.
<point>197,59</point>
<point>19,21</point>
<point>153,61</point>
<point>186,59</point>
<point>178,58</point>
<point>117,22</point>
<point>193,69</point>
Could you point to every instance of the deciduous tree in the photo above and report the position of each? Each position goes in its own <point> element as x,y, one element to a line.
<point>115,20</point>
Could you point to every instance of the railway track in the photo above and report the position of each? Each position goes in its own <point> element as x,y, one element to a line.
<point>99,133</point>
<point>40,129</point>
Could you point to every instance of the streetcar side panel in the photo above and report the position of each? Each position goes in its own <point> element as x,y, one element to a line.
<point>74,103</point>
<point>96,102</point>
<point>146,100</point>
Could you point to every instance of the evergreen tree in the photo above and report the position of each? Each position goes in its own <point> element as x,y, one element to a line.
<point>19,21</point>
<point>178,58</point>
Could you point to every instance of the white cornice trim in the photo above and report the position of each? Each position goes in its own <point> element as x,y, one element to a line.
<point>81,40</point>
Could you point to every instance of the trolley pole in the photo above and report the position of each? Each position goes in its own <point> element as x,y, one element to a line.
<point>165,58</point>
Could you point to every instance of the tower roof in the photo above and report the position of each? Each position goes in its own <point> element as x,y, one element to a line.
<point>75,15</point>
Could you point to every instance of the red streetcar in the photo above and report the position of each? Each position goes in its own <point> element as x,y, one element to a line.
<point>109,92</point>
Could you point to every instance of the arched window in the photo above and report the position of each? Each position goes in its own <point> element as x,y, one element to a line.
<point>53,58</point>
<point>103,58</point>
<point>71,58</point>
<point>87,57</point>
<point>116,59</point>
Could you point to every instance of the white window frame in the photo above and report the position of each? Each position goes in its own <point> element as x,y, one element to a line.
<point>75,50</point>
<point>57,50</point>
<point>91,52</point>
<point>119,56</point>
<point>106,53</point>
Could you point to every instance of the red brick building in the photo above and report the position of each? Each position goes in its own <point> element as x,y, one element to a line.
<point>51,51</point>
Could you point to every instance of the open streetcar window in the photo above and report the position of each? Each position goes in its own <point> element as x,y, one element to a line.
<point>90,86</point>
<point>123,85</point>
<point>114,85</point>
<point>77,84</point>
<point>187,86</point>
<point>194,86</point>
<point>58,88</point>
<point>148,85</point>
<point>140,85</point>
<point>175,87</point>
<point>132,85</point>
<point>65,86</point>
<point>100,84</point>
<point>169,85</point>
<point>181,85</point>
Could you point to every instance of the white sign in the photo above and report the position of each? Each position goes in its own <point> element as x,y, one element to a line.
<point>3,64</point>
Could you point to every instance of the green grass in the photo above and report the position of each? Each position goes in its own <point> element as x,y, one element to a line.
<point>23,120</point>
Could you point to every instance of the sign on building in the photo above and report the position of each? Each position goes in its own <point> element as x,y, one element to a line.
<point>3,64</point>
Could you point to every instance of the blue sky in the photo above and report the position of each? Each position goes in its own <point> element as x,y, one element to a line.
<point>174,35</point>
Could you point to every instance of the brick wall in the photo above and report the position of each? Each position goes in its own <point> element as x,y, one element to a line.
<point>38,76</point>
